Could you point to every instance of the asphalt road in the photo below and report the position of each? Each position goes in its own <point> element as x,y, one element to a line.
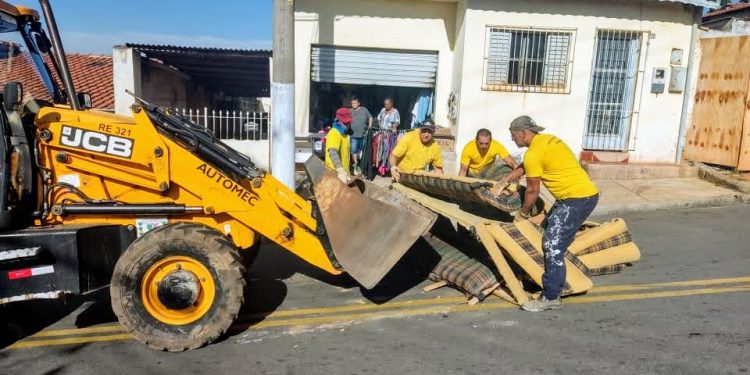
<point>683,309</point>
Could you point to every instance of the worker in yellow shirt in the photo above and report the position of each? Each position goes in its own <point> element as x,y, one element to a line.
<point>550,161</point>
<point>417,150</point>
<point>478,158</point>
<point>338,144</point>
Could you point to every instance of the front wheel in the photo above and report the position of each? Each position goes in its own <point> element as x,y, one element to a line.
<point>178,287</point>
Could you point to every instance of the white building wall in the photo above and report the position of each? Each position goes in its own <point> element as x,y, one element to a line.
<point>458,54</point>
<point>391,24</point>
<point>654,130</point>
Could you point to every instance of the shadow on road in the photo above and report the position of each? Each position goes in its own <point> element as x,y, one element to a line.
<point>19,320</point>
<point>276,263</point>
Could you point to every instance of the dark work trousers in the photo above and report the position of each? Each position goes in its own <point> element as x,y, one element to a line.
<point>560,227</point>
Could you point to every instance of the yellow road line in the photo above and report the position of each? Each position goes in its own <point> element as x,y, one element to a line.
<point>70,341</point>
<point>395,305</point>
<point>705,282</point>
<point>457,300</point>
<point>408,312</point>
<point>489,306</point>
<point>79,331</point>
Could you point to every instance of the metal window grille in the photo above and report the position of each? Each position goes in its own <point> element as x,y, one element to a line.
<point>527,60</point>
<point>612,92</point>
<point>239,125</point>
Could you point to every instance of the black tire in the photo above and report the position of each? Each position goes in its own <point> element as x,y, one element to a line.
<point>204,246</point>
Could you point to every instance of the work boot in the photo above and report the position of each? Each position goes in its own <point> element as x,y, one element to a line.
<point>542,304</point>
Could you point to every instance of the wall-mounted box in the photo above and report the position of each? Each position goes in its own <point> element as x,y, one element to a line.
<point>658,80</point>
<point>677,79</point>
<point>676,57</point>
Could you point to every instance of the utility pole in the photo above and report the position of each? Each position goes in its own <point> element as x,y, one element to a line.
<point>282,93</point>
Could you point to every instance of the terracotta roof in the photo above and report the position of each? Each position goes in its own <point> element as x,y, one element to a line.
<point>731,8</point>
<point>91,74</point>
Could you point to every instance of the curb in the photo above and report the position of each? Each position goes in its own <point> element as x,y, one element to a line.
<point>712,175</point>
<point>722,200</point>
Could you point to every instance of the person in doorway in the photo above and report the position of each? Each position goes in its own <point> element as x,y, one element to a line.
<point>550,161</point>
<point>361,121</point>
<point>389,118</point>
<point>478,158</point>
<point>338,144</point>
<point>416,151</point>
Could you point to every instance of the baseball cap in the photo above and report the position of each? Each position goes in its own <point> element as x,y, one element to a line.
<point>525,122</point>
<point>427,124</point>
<point>344,115</point>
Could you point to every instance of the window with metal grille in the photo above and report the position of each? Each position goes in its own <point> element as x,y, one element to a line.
<point>527,60</point>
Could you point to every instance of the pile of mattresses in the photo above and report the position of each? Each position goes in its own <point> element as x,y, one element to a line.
<point>597,250</point>
<point>470,193</point>
<point>459,271</point>
<point>514,247</point>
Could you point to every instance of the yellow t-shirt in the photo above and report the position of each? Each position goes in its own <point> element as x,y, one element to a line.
<point>550,159</point>
<point>335,140</point>
<point>470,156</point>
<point>412,155</point>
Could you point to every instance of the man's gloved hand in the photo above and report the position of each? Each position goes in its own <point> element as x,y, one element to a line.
<point>520,216</point>
<point>342,175</point>
<point>395,173</point>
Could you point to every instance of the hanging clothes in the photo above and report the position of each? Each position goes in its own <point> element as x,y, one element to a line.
<point>422,107</point>
<point>365,163</point>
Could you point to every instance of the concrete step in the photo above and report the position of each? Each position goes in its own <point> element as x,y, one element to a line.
<point>638,170</point>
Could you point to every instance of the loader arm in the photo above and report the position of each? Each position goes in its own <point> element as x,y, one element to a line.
<point>137,170</point>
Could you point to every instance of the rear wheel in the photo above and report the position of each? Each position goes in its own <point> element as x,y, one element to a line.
<point>178,287</point>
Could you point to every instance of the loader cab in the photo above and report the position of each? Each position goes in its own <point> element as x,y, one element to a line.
<point>27,60</point>
<point>18,174</point>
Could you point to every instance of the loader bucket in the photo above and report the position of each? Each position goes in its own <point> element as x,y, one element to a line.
<point>369,227</point>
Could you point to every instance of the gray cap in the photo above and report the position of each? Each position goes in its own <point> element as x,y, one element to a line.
<point>525,122</point>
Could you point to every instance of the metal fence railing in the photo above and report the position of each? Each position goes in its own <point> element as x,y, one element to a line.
<point>238,125</point>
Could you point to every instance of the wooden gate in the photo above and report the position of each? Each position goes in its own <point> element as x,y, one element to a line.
<point>720,131</point>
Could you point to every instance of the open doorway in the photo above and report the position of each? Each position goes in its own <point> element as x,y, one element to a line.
<point>340,73</point>
<point>414,104</point>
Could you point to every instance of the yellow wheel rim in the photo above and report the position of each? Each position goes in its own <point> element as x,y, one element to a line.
<point>158,271</point>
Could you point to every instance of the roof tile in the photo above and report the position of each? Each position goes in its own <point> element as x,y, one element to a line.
<point>91,74</point>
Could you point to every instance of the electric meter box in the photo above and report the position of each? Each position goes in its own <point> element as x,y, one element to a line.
<point>658,80</point>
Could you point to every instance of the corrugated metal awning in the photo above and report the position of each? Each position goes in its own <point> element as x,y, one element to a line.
<point>359,66</point>
<point>708,4</point>
<point>236,72</point>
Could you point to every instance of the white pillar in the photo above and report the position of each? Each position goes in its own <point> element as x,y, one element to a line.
<point>282,93</point>
<point>126,72</point>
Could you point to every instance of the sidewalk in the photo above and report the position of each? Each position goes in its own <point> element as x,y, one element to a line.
<point>630,188</point>
<point>651,187</point>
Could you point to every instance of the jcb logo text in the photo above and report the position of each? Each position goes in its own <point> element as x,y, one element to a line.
<point>97,142</point>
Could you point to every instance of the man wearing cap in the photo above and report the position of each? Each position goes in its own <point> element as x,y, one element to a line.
<point>478,157</point>
<point>550,161</point>
<point>337,144</point>
<point>416,151</point>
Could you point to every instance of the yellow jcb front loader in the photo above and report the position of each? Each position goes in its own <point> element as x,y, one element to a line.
<point>160,209</point>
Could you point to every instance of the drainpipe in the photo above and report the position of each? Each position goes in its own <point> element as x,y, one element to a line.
<point>688,95</point>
